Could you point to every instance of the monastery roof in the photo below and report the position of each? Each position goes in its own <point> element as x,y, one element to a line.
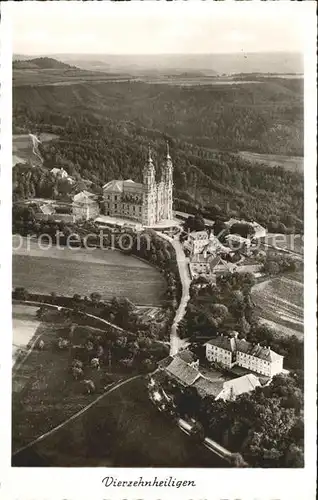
<point>223,342</point>
<point>257,350</point>
<point>206,387</point>
<point>163,363</point>
<point>181,370</point>
<point>241,345</point>
<point>119,186</point>
<point>186,356</point>
<point>240,385</point>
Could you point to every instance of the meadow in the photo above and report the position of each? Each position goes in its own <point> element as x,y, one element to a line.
<point>22,147</point>
<point>70,271</point>
<point>290,163</point>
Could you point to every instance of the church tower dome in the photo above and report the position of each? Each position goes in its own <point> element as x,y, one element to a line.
<point>168,179</point>
<point>149,171</point>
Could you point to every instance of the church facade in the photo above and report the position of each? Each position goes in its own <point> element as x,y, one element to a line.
<point>148,202</point>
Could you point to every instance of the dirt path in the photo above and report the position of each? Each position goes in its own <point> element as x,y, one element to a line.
<point>76,415</point>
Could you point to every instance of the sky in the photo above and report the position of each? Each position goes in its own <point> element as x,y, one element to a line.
<point>152,27</point>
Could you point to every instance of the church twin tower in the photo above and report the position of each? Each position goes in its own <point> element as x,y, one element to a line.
<point>157,196</point>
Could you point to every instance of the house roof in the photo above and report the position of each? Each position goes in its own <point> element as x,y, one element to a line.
<point>236,237</point>
<point>119,186</point>
<point>257,350</point>
<point>240,385</point>
<point>186,356</point>
<point>241,345</point>
<point>181,370</point>
<point>55,170</point>
<point>198,258</point>
<point>199,235</point>
<point>223,342</point>
<point>214,261</point>
<point>206,387</point>
<point>84,197</point>
<point>163,363</point>
<point>46,209</point>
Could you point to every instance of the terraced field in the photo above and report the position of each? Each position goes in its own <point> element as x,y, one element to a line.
<point>280,303</point>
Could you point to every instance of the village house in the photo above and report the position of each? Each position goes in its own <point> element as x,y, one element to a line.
<point>196,241</point>
<point>60,173</point>
<point>85,205</point>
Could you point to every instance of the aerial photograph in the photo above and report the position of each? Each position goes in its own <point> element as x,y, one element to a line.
<point>157,237</point>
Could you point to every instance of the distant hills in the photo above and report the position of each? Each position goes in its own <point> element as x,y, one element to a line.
<point>208,64</point>
<point>40,63</point>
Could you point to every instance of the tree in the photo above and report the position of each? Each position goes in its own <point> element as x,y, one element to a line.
<point>40,344</point>
<point>237,460</point>
<point>99,351</point>
<point>89,386</point>
<point>77,372</point>
<point>95,297</point>
<point>95,363</point>
<point>76,363</point>
<point>197,432</point>
<point>147,365</point>
<point>21,293</point>
<point>294,456</point>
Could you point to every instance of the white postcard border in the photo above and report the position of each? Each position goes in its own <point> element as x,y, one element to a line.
<point>83,483</point>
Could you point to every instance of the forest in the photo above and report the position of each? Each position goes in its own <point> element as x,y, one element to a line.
<point>104,130</point>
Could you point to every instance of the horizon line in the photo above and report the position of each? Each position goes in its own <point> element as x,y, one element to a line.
<point>299,52</point>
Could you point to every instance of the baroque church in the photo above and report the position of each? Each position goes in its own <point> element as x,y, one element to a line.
<point>147,203</point>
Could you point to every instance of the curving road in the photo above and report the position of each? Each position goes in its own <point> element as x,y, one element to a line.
<point>175,342</point>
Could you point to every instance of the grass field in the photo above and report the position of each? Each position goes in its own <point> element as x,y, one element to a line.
<point>22,147</point>
<point>68,271</point>
<point>44,391</point>
<point>291,163</point>
<point>123,429</point>
<point>62,77</point>
<point>25,325</point>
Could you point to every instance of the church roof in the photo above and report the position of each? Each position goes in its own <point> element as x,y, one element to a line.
<point>119,186</point>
